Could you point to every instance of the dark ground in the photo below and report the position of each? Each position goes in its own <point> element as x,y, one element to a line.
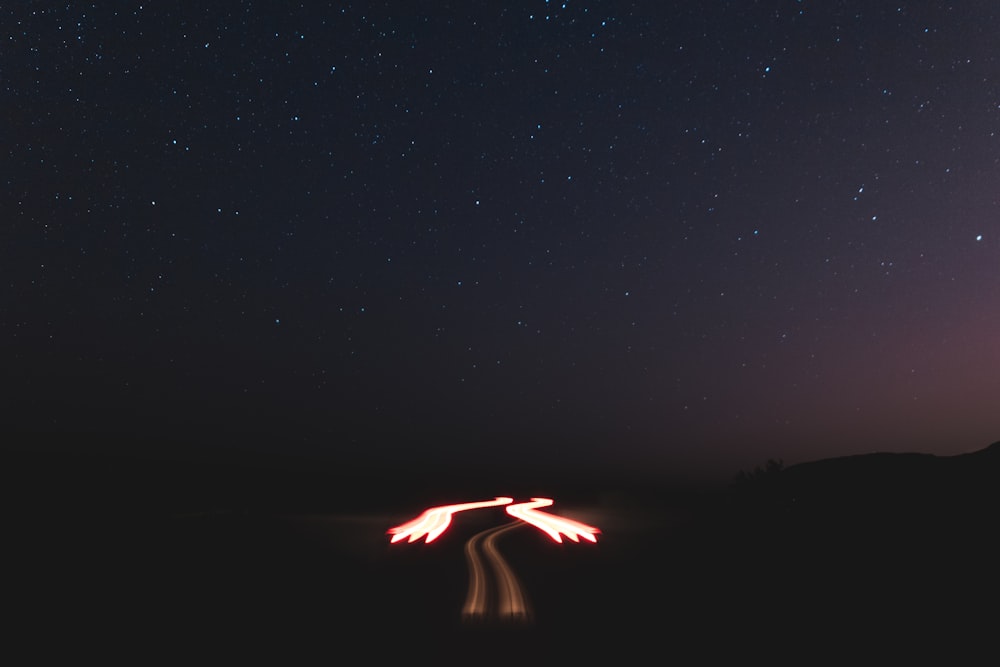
<point>861,557</point>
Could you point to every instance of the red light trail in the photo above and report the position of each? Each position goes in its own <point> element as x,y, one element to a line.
<point>507,599</point>
<point>552,525</point>
<point>435,520</point>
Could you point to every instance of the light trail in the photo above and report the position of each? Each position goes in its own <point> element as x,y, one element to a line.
<point>435,520</point>
<point>477,599</point>
<point>511,601</point>
<point>554,526</point>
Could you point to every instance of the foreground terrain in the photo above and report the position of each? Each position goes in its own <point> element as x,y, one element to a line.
<point>887,552</point>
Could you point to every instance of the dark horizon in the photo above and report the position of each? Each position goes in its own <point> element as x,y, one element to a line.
<point>164,474</point>
<point>470,454</point>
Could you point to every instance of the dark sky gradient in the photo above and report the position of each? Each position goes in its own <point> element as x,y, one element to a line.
<point>675,236</point>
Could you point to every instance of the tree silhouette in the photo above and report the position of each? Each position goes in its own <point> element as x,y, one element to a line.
<point>760,474</point>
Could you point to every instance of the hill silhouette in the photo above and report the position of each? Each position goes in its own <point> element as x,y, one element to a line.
<point>914,490</point>
<point>879,545</point>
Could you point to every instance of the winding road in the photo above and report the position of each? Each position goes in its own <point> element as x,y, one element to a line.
<point>507,601</point>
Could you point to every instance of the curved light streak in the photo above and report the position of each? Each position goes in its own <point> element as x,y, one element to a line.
<point>511,601</point>
<point>435,520</point>
<point>552,525</point>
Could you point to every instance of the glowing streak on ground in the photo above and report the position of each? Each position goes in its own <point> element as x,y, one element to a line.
<point>436,520</point>
<point>511,602</point>
<point>476,599</point>
<point>551,524</point>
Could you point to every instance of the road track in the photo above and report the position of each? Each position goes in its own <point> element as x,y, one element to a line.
<point>508,601</point>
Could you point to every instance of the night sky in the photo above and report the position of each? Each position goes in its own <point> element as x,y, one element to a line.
<point>668,236</point>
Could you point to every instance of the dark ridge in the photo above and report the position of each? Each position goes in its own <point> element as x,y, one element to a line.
<point>867,487</point>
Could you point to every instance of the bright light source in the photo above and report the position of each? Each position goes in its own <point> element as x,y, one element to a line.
<point>552,525</point>
<point>436,520</point>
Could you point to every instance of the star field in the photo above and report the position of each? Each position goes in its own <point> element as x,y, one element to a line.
<point>656,235</point>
